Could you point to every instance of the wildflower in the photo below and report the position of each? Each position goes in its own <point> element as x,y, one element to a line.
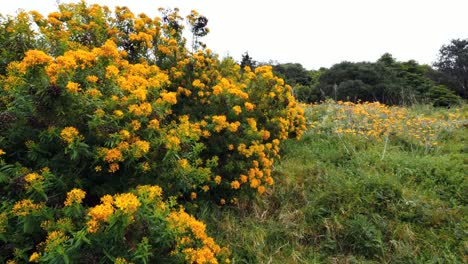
<point>170,97</point>
<point>73,87</point>
<point>113,167</point>
<point>92,78</point>
<point>235,185</point>
<point>154,124</point>
<point>218,179</point>
<point>193,196</point>
<point>101,212</point>
<point>69,134</point>
<point>249,106</point>
<point>25,207</point>
<point>118,113</point>
<point>237,109</point>
<point>183,163</point>
<point>33,177</point>
<point>34,257</point>
<point>151,191</point>
<point>74,196</point>
<point>92,226</point>
<point>55,239</point>
<point>136,125</point>
<point>2,152</point>
<point>261,189</point>
<point>127,202</point>
<point>113,155</point>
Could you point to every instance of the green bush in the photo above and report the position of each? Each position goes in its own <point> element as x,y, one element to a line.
<point>108,102</point>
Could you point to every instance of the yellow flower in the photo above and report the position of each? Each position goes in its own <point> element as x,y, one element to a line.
<point>25,207</point>
<point>154,124</point>
<point>2,152</point>
<point>113,155</point>
<point>74,196</point>
<point>235,185</point>
<point>111,71</point>
<point>113,167</point>
<point>127,202</point>
<point>151,191</point>
<point>170,97</point>
<point>69,134</point>
<point>217,179</point>
<point>92,78</point>
<point>183,163</point>
<point>92,226</point>
<point>34,57</point>
<point>193,196</point>
<point>136,125</point>
<point>261,189</point>
<point>249,106</point>
<point>237,109</point>
<point>73,87</point>
<point>33,177</point>
<point>34,257</point>
<point>118,113</point>
<point>54,240</point>
<point>101,212</point>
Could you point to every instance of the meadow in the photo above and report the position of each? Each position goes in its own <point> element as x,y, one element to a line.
<point>362,186</point>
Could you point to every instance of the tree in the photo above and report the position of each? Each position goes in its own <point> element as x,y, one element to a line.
<point>453,63</point>
<point>247,61</point>
<point>293,73</point>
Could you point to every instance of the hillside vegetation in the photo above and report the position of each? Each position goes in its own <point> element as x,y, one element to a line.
<point>367,183</point>
<point>120,143</point>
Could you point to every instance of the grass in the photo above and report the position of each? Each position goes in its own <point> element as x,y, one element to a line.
<point>336,200</point>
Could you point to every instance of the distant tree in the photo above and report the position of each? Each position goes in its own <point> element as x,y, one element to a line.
<point>453,63</point>
<point>293,73</point>
<point>442,96</point>
<point>198,28</point>
<point>386,80</point>
<point>247,61</point>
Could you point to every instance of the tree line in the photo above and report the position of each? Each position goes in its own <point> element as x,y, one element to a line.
<point>386,80</point>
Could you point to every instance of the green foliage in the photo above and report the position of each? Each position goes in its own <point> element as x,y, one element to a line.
<point>386,81</point>
<point>335,206</point>
<point>442,96</point>
<point>453,64</point>
<point>108,103</point>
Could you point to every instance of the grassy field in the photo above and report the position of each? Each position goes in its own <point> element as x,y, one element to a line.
<point>365,184</point>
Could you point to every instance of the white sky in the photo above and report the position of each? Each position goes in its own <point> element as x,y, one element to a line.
<point>315,33</point>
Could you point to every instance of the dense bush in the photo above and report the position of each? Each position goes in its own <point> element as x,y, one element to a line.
<point>114,105</point>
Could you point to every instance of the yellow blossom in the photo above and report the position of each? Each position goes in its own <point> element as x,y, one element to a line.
<point>74,196</point>
<point>92,78</point>
<point>127,202</point>
<point>169,97</point>
<point>73,87</point>
<point>218,179</point>
<point>235,185</point>
<point>68,134</point>
<point>34,257</point>
<point>237,109</point>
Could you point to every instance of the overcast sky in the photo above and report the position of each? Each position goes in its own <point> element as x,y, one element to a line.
<point>311,32</point>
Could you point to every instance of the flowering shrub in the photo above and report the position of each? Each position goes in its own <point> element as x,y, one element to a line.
<point>106,102</point>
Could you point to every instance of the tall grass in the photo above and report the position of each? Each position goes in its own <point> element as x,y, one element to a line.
<point>347,197</point>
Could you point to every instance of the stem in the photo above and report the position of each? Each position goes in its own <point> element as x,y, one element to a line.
<point>385,148</point>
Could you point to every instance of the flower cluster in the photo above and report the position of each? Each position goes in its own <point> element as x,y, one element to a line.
<point>375,121</point>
